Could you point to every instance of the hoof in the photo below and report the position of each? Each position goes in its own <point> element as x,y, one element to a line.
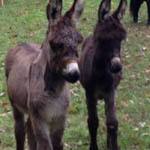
<point>93,147</point>
<point>135,20</point>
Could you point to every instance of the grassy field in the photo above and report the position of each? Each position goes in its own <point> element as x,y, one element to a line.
<point>25,21</point>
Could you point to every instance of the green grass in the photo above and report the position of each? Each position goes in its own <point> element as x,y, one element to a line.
<point>25,21</point>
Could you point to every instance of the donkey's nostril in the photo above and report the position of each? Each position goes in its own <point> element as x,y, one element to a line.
<point>116,68</point>
<point>74,76</point>
<point>116,65</point>
<point>71,72</point>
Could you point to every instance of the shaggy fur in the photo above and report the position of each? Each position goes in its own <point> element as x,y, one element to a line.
<point>135,6</point>
<point>36,81</point>
<point>101,70</point>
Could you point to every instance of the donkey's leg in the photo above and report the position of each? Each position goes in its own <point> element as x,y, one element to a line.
<point>148,9</point>
<point>136,10</point>
<point>19,129</point>
<point>58,134</point>
<point>92,120</point>
<point>41,132</point>
<point>30,136</point>
<point>111,122</point>
<point>57,139</point>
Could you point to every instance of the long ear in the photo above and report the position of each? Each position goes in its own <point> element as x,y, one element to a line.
<point>104,9</point>
<point>75,11</point>
<point>53,10</point>
<point>119,13</point>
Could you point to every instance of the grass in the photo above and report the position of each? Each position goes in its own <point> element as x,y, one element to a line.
<point>25,21</point>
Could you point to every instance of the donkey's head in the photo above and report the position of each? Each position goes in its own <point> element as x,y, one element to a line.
<point>110,32</point>
<point>64,38</point>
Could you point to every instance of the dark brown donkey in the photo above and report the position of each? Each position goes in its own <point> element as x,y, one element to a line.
<point>36,79</point>
<point>101,67</point>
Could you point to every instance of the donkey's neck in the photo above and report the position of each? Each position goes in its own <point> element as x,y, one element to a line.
<point>101,56</point>
<point>54,83</point>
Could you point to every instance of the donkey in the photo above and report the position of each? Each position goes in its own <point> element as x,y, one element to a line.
<point>101,70</point>
<point>134,9</point>
<point>36,79</point>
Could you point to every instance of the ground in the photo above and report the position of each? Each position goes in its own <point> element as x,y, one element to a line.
<point>25,21</point>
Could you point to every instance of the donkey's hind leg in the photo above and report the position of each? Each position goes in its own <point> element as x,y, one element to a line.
<point>148,10</point>
<point>92,120</point>
<point>30,136</point>
<point>135,8</point>
<point>111,122</point>
<point>19,129</point>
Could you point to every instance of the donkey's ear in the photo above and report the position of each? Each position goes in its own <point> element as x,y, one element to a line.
<point>75,11</point>
<point>53,10</point>
<point>104,9</point>
<point>119,13</point>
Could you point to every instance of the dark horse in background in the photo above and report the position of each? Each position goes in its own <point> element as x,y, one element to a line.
<point>36,79</point>
<point>134,9</point>
<point>101,70</point>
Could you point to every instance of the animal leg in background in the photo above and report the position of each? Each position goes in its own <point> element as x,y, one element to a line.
<point>134,8</point>
<point>148,10</point>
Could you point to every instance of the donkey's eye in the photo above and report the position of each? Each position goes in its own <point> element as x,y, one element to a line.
<point>77,55</point>
<point>57,46</point>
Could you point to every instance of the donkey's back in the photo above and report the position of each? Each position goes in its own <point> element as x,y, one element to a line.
<point>23,54</point>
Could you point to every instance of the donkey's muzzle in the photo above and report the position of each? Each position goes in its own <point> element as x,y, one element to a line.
<point>71,73</point>
<point>116,65</point>
<point>73,77</point>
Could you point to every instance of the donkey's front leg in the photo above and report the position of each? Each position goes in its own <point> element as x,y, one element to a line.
<point>41,132</point>
<point>111,121</point>
<point>92,120</point>
<point>30,136</point>
<point>57,139</point>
